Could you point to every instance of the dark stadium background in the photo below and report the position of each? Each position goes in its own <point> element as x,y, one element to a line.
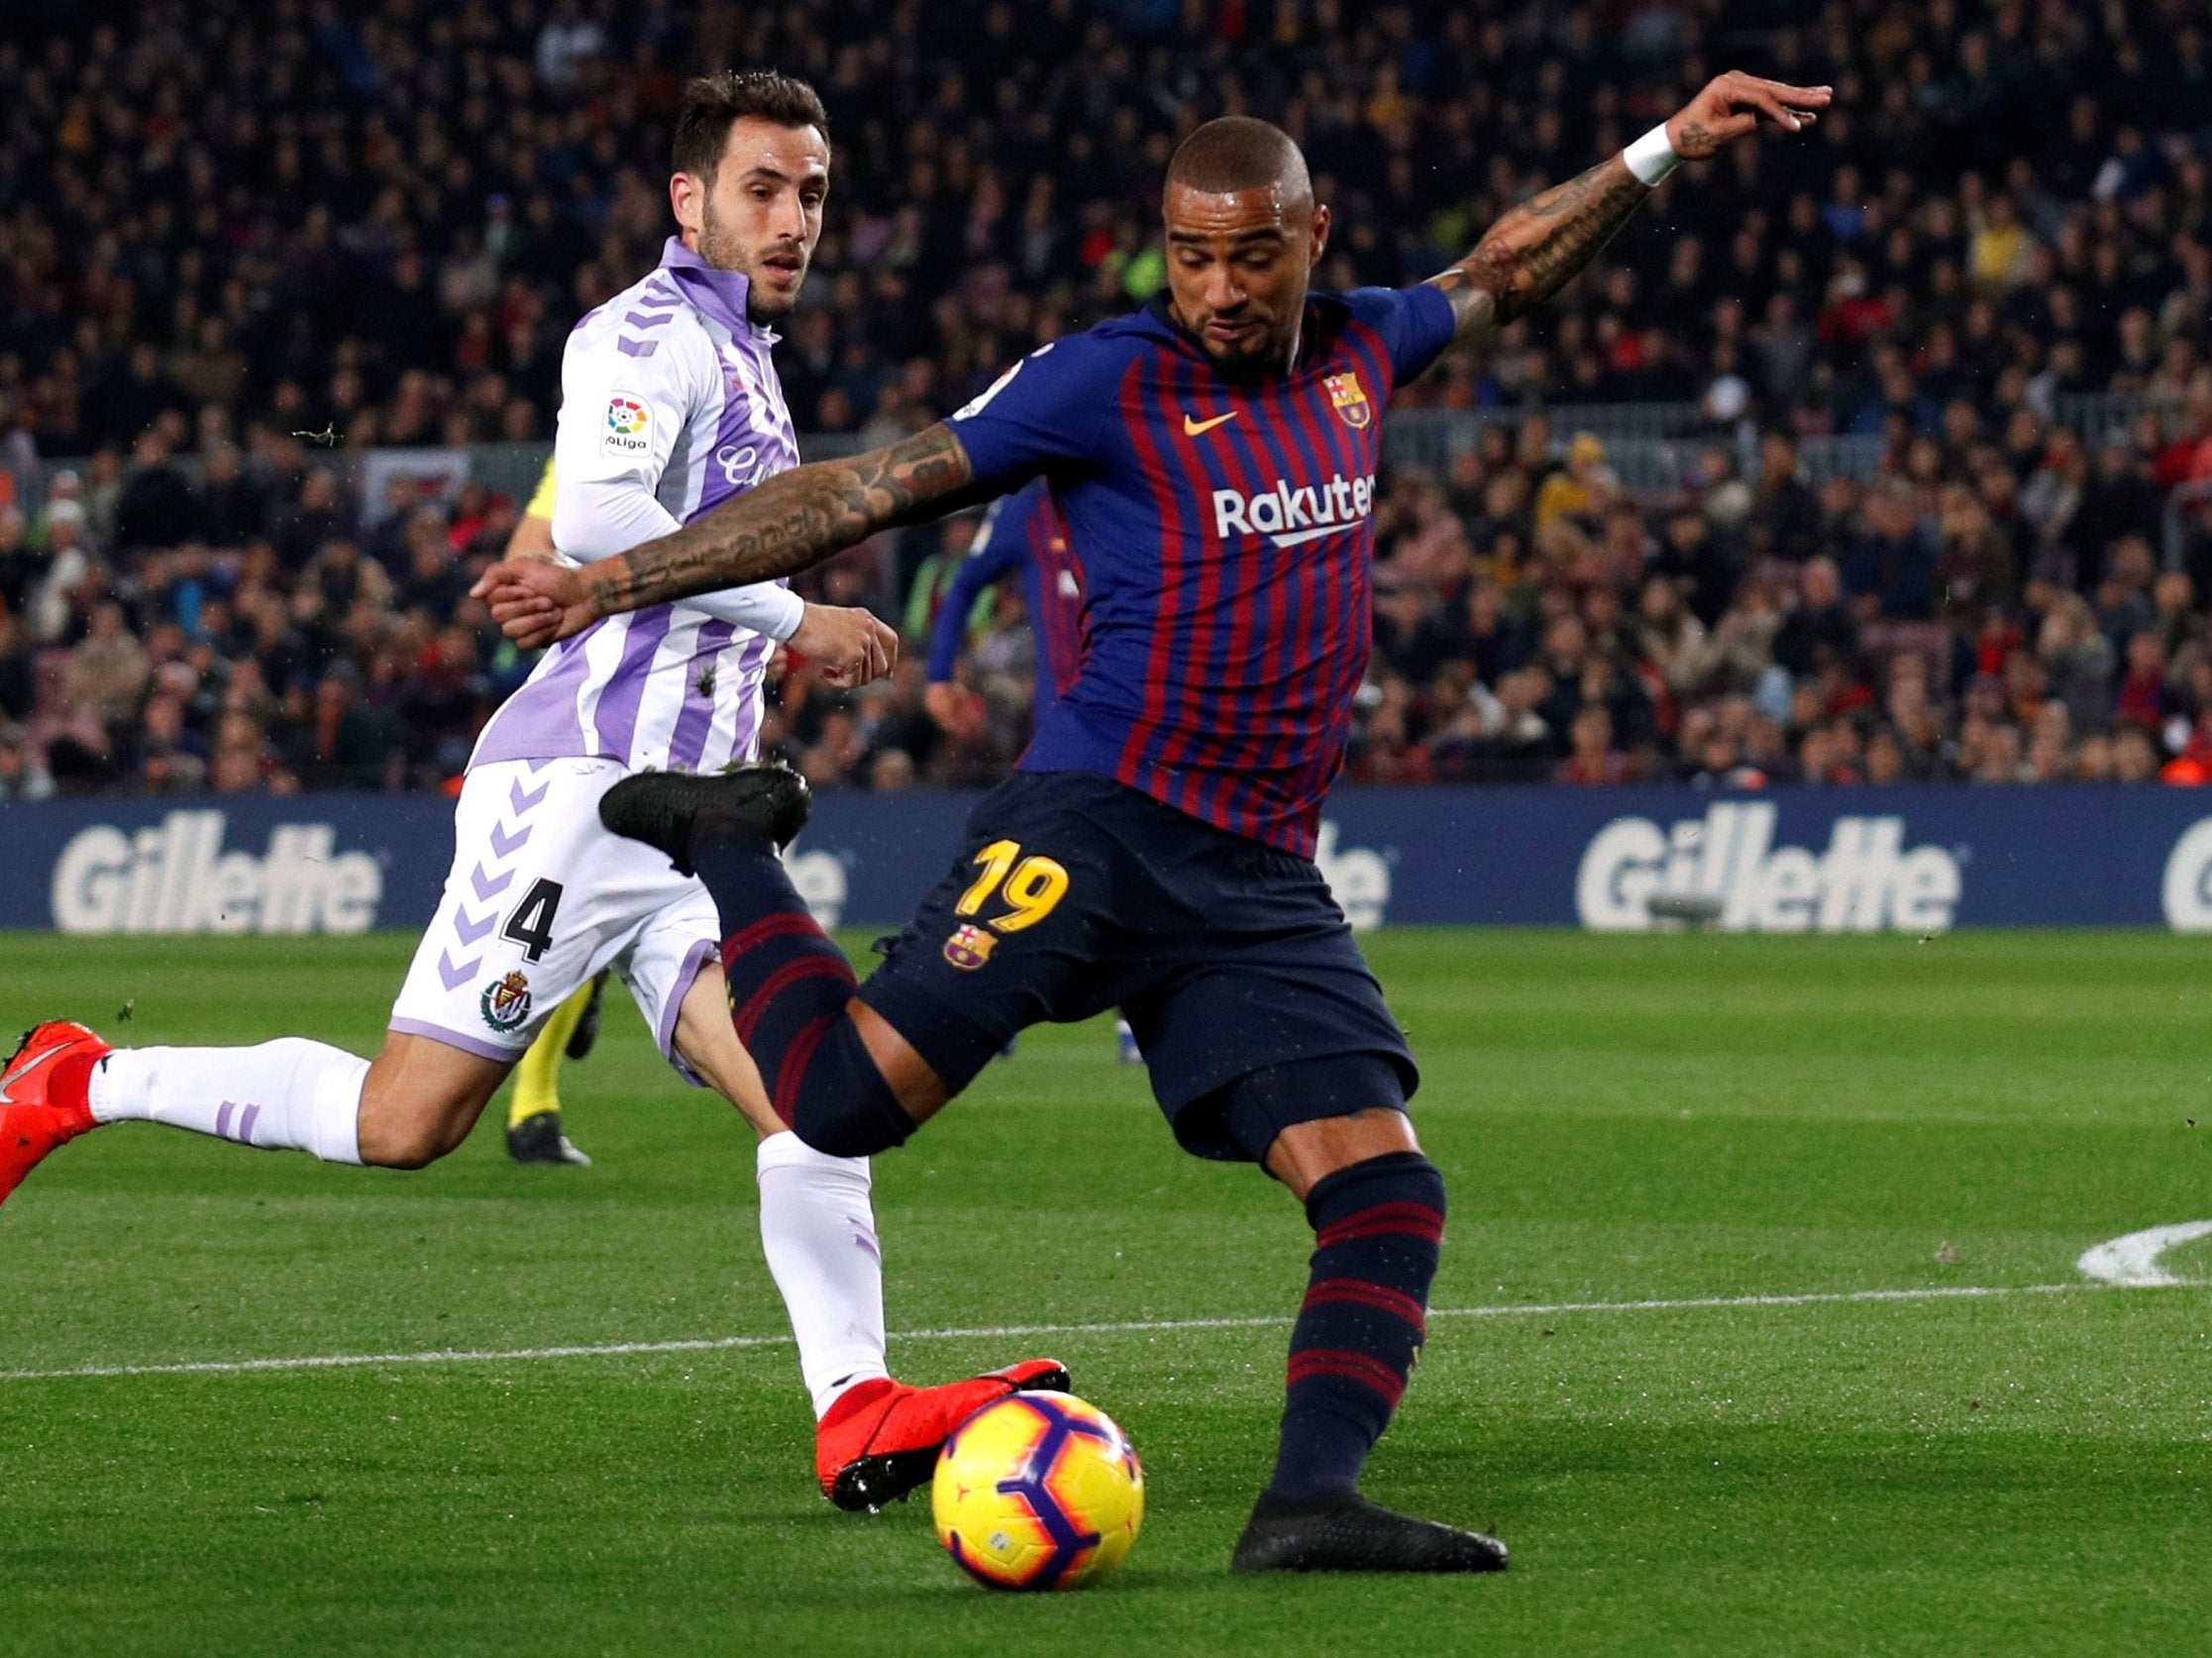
<point>1879,456</point>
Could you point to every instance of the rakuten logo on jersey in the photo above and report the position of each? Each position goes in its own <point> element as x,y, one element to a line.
<point>1866,882</point>
<point>178,879</point>
<point>1290,517</point>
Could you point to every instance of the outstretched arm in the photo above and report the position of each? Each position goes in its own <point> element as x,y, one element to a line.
<point>1539,248</point>
<point>992,557</point>
<point>787,524</point>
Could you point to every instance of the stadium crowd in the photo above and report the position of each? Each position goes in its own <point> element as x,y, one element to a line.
<point>242,244</point>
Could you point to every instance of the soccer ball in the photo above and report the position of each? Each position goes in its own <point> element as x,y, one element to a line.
<point>1038,1491</point>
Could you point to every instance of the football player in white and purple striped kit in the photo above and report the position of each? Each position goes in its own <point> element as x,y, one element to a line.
<point>670,405</point>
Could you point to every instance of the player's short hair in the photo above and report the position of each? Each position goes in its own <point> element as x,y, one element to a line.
<point>712,104</point>
<point>1238,153</point>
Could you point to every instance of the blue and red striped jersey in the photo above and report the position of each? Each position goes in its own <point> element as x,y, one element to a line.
<point>1222,531</point>
<point>1021,536</point>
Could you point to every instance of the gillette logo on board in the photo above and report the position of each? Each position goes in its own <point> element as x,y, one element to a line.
<point>1866,881</point>
<point>175,878</point>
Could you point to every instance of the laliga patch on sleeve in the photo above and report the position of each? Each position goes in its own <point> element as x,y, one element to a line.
<point>982,400</point>
<point>628,432</point>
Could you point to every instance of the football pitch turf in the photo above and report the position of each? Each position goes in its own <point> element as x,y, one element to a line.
<point>1675,1163</point>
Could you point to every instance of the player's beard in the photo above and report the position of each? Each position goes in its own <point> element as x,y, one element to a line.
<point>1266,352</point>
<point>724,251</point>
<point>1265,358</point>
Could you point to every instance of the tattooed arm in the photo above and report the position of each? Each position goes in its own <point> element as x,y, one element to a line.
<point>789,523</point>
<point>1535,250</point>
<point>1539,248</point>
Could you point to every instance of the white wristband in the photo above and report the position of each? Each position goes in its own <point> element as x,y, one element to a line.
<point>1651,157</point>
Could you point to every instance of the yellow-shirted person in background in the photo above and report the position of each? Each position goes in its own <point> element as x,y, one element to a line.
<point>534,1133</point>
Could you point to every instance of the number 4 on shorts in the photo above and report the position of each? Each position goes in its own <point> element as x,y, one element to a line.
<point>531,923</point>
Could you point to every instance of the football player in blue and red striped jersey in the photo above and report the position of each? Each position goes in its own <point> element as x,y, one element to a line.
<point>1214,460</point>
<point>1021,539</point>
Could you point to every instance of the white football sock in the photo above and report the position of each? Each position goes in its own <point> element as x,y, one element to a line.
<point>818,1231</point>
<point>290,1095</point>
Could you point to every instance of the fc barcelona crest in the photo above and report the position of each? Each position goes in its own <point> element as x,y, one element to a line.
<point>1350,398</point>
<point>506,1002</point>
<point>969,947</point>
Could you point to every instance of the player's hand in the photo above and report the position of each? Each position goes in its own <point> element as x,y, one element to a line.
<point>850,647</point>
<point>1733,104</point>
<point>536,601</point>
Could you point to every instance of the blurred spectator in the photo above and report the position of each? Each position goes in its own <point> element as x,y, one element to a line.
<point>1591,756</point>
<point>1889,566</point>
<point>231,508</point>
<point>155,507</point>
<point>107,672</point>
<point>1584,489</point>
<point>21,570</point>
<point>22,777</point>
<point>19,684</point>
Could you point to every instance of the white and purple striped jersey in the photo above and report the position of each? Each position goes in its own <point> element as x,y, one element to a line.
<point>670,405</point>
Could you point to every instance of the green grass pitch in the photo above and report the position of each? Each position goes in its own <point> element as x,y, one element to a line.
<point>1623,1120</point>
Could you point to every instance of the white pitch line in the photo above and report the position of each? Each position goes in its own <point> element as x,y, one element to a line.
<point>2132,1262</point>
<point>1140,1326</point>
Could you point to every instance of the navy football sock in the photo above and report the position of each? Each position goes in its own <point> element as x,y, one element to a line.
<point>790,988</point>
<point>1377,1226</point>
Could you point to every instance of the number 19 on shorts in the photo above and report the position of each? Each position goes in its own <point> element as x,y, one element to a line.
<point>1029,887</point>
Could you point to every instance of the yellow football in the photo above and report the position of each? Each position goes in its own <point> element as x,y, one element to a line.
<point>1038,1491</point>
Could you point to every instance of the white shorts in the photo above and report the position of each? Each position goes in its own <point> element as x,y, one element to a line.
<point>540,898</point>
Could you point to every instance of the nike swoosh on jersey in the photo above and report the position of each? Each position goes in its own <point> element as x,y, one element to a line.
<point>1198,428</point>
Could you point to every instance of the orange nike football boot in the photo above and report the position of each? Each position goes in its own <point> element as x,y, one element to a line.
<point>880,1438</point>
<point>43,1100</point>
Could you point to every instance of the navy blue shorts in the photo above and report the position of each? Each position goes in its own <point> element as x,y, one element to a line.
<point>1074,893</point>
